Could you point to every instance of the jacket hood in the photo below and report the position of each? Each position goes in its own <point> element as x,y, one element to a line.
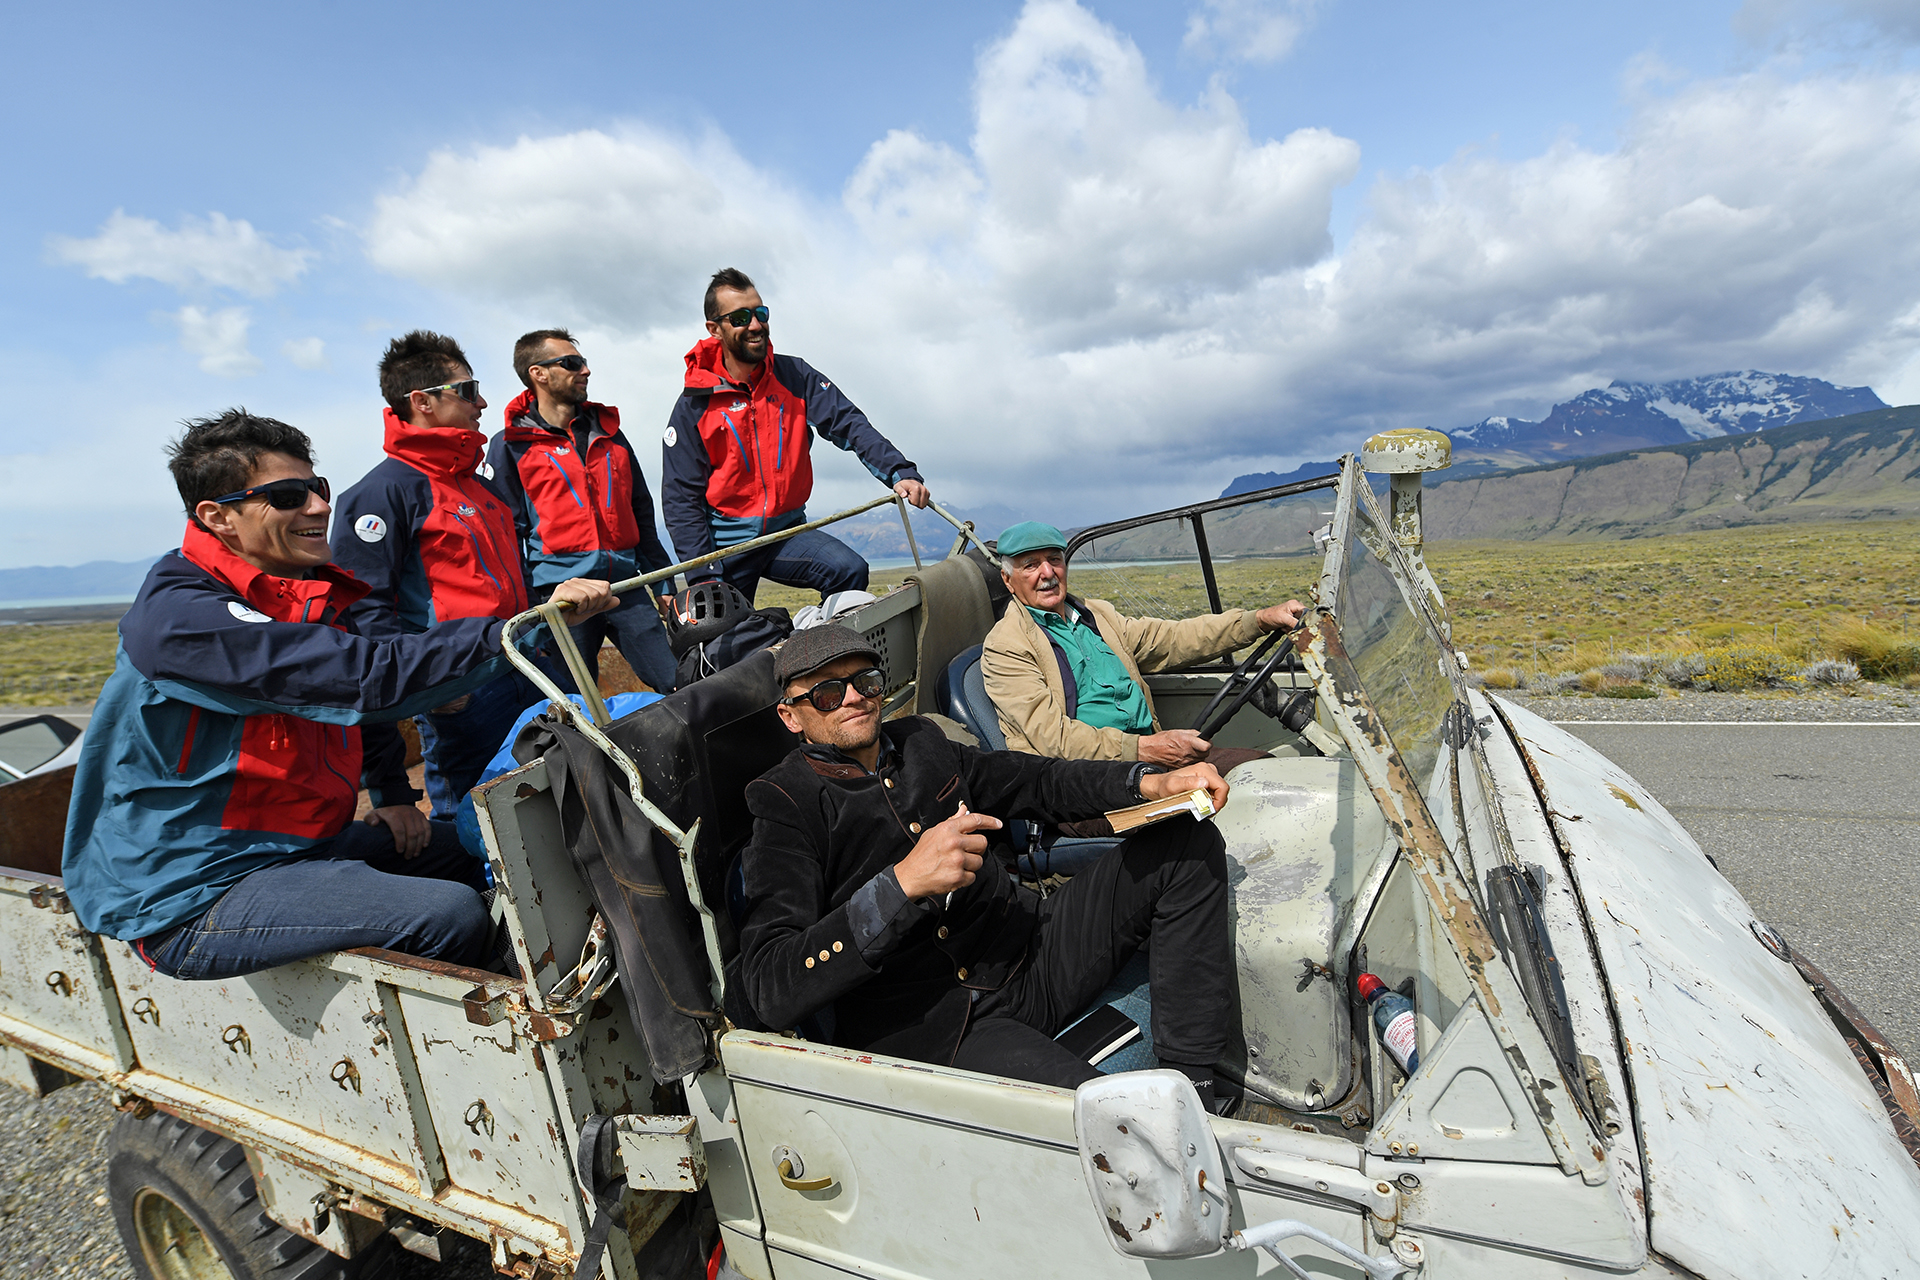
<point>438,451</point>
<point>524,423</point>
<point>283,599</point>
<point>706,373</point>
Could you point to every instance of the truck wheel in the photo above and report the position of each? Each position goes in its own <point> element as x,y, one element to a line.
<point>186,1207</point>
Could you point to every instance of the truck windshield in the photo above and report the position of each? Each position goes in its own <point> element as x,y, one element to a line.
<point>1400,661</point>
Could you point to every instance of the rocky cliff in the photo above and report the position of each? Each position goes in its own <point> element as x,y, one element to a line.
<point>1863,466</point>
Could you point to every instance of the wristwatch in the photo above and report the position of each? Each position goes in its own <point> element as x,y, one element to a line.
<point>1140,771</point>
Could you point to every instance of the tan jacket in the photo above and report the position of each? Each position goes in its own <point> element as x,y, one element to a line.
<point>1023,677</point>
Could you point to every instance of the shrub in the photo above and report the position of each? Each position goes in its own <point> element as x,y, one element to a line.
<point>1733,670</point>
<point>1681,669</point>
<point>1629,691</point>
<point>1501,678</point>
<point>1828,671</point>
<point>1593,681</point>
<point>1879,653</point>
<point>1629,667</point>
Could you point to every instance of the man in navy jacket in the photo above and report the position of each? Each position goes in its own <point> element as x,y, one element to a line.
<point>434,540</point>
<point>738,452</point>
<point>580,504</point>
<point>212,815</point>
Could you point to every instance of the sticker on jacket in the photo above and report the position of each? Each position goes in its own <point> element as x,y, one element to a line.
<point>370,528</point>
<point>484,471</point>
<point>672,437</point>
<point>246,614</point>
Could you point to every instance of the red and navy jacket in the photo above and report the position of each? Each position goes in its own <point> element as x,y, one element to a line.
<point>229,736</point>
<point>578,515</point>
<point>737,462</point>
<point>431,538</point>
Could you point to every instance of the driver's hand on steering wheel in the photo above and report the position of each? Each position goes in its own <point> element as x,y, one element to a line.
<point>1281,617</point>
<point>1174,748</point>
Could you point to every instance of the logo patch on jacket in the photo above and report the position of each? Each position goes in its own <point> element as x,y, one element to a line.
<point>484,471</point>
<point>465,510</point>
<point>370,528</point>
<point>671,438</point>
<point>245,613</point>
<point>736,406</point>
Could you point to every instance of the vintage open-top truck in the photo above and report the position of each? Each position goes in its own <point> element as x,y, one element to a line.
<point>1621,1070</point>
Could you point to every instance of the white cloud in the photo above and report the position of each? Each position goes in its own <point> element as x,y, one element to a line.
<point>214,251</point>
<point>1104,300</point>
<point>305,353</point>
<point>1256,31</point>
<point>219,338</point>
<point>607,226</point>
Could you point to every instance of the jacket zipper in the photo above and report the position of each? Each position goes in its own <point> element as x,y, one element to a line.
<point>557,466</point>
<point>480,501</point>
<point>344,780</point>
<point>186,748</point>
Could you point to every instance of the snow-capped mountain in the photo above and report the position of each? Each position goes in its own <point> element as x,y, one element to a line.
<point>1635,415</point>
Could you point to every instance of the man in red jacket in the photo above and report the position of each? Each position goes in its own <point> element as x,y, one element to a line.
<point>738,463</point>
<point>435,540</point>
<point>212,816</point>
<point>580,503</point>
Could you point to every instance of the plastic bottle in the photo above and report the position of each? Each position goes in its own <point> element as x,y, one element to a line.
<point>1393,1016</point>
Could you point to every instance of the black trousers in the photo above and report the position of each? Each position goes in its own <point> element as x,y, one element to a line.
<point>1167,883</point>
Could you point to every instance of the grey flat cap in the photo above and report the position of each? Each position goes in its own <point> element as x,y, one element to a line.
<point>814,648</point>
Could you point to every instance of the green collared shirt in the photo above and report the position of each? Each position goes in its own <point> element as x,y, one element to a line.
<point>1108,697</point>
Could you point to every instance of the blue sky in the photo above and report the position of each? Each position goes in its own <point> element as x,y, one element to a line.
<point>1076,259</point>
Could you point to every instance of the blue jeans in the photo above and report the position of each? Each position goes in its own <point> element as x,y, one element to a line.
<point>354,890</point>
<point>642,637</point>
<point>812,559</point>
<point>457,745</point>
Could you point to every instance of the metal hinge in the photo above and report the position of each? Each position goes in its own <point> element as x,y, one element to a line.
<point>486,1008</point>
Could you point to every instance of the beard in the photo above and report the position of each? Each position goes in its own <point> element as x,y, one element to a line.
<point>848,735</point>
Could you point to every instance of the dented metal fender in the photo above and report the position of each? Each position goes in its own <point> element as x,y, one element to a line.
<point>1766,1149</point>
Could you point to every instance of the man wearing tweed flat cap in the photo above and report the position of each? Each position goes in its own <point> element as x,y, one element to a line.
<point>871,888</point>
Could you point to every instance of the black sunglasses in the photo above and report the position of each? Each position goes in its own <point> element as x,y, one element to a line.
<point>829,694</point>
<point>745,316</point>
<point>572,363</point>
<point>284,495</point>
<point>468,390</point>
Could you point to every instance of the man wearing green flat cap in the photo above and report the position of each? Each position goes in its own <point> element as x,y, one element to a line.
<point>1065,673</point>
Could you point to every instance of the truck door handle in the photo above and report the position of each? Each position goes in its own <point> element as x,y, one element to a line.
<point>788,1164</point>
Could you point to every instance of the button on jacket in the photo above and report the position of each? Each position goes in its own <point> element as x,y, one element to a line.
<point>826,921</point>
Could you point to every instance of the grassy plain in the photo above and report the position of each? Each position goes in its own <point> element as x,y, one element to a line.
<point>1529,607</point>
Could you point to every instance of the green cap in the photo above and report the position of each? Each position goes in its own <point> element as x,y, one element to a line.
<point>1029,535</point>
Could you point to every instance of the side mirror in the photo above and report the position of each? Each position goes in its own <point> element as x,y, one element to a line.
<point>1152,1165</point>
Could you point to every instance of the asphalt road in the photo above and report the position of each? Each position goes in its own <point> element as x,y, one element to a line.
<point>1818,825</point>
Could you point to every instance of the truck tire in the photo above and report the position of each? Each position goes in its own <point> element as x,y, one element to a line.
<point>186,1207</point>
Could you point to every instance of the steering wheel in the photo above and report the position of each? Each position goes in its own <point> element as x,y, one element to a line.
<point>1246,684</point>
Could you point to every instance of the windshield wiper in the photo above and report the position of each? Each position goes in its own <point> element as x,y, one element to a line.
<point>1521,934</point>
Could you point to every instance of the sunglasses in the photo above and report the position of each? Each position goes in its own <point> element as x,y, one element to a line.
<point>745,316</point>
<point>829,694</point>
<point>283,495</point>
<point>468,390</point>
<point>572,363</point>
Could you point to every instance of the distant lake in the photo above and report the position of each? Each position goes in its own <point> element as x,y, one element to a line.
<point>52,602</point>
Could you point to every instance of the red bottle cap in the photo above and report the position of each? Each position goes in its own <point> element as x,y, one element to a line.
<point>1369,986</point>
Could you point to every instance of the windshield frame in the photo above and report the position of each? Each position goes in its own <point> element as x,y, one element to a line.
<point>1197,512</point>
<point>1456,902</point>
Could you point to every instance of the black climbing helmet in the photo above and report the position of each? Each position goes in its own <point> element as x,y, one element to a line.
<point>703,612</point>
